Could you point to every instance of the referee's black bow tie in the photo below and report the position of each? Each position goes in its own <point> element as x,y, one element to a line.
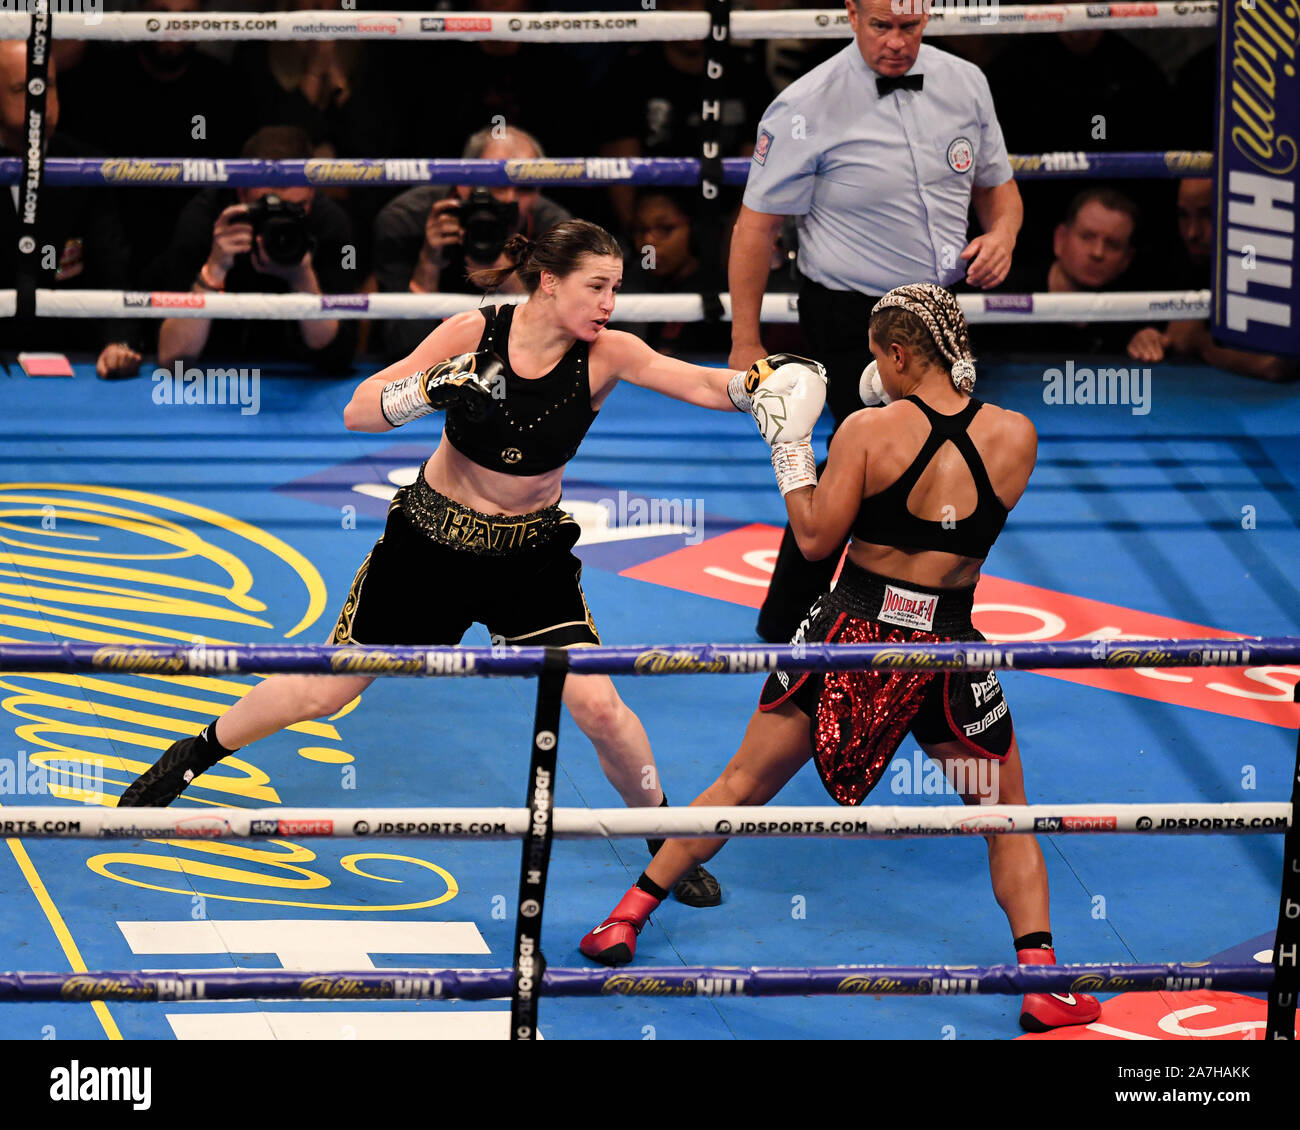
<point>903,82</point>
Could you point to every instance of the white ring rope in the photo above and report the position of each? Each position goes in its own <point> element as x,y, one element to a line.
<point>871,822</point>
<point>976,17</point>
<point>1129,306</point>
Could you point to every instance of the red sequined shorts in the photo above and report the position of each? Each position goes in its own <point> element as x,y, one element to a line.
<point>859,718</point>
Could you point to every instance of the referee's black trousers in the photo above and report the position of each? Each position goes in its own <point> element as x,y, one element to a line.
<point>834,324</point>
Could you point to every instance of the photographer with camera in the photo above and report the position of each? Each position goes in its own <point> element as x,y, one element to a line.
<point>260,240</point>
<point>429,238</point>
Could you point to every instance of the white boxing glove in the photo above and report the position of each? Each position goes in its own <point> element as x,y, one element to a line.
<point>871,388</point>
<point>743,385</point>
<point>786,405</point>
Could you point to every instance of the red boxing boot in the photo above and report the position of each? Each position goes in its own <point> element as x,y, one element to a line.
<point>1041,1012</point>
<point>613,942</point>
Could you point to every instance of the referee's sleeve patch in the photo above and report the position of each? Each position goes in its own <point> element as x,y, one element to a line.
<point>762,147</point>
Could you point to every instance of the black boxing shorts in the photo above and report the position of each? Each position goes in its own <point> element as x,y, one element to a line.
<point>440,567</point>
<point>859,718</point>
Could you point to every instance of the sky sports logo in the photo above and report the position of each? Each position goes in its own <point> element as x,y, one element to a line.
<point>455,23</point>
<point>1075,823</point>
<point>291,827</point>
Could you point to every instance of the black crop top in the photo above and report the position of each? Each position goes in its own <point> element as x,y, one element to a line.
<point>538,424</point>
<point>884,519</point>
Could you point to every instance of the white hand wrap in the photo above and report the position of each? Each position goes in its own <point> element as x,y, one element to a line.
<point>404,400</point>
<point>871,388</point>
<point>794,465</point>
<point>736,390</point>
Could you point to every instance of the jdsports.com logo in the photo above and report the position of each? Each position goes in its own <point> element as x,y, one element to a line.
<point>791,827</point>
<point>1210,823</point>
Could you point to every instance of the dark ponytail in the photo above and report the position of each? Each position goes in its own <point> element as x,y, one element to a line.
<point>517,249</point>
<point>558,250</point>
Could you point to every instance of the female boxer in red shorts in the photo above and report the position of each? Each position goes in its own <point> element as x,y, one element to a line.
<point>480,536</point>
<point>924,485</point>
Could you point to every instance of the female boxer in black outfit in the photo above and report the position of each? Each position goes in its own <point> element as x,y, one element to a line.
<point>480,535</point>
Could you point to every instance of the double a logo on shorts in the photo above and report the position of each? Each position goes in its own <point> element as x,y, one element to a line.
<point>908,609</point>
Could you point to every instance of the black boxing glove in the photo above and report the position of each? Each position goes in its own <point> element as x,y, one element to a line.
<point>472,380</point>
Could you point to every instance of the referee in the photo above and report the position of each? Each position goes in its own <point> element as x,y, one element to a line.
<point>879,153</point>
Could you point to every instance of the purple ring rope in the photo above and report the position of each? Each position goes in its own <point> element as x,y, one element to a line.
<point>667,659</point>
<point>690,981</point>
<point>189,173</point>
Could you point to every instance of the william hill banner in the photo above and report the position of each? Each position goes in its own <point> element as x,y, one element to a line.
<point>1256,297</point>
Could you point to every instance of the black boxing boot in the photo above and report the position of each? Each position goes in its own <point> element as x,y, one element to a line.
<point>697,887</point>
<point>172,773</point>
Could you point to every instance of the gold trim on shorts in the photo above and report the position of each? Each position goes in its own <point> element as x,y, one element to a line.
<point>343,628</point>
<point>590,621</point>
<point>449,523</point>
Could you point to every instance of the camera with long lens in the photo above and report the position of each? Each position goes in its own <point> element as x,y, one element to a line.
<point>487,224</point>
<point>282,227</point>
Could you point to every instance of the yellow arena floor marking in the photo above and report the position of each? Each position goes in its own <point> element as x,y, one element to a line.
<point>60,931</point>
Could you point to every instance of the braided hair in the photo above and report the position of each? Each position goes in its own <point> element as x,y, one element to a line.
<point>927,318</point>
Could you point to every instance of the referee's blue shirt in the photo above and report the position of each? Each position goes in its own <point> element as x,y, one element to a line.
<point>881,186</point>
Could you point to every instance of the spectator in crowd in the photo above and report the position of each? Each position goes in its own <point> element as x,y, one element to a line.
<point>649,105</point>
<point>784,60</point>
<point>430,237</point>
<point>665,259</point>
<point>1192,266</point>
<point>1191,338</point>
<point>80,240</point>
<point>344,93</point>
<point>333,88</point>
<point>260,240</point>
<point>1092,250</point>
<point>1106,95</point>
<point>454,88</point>
<point>157,98</point>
